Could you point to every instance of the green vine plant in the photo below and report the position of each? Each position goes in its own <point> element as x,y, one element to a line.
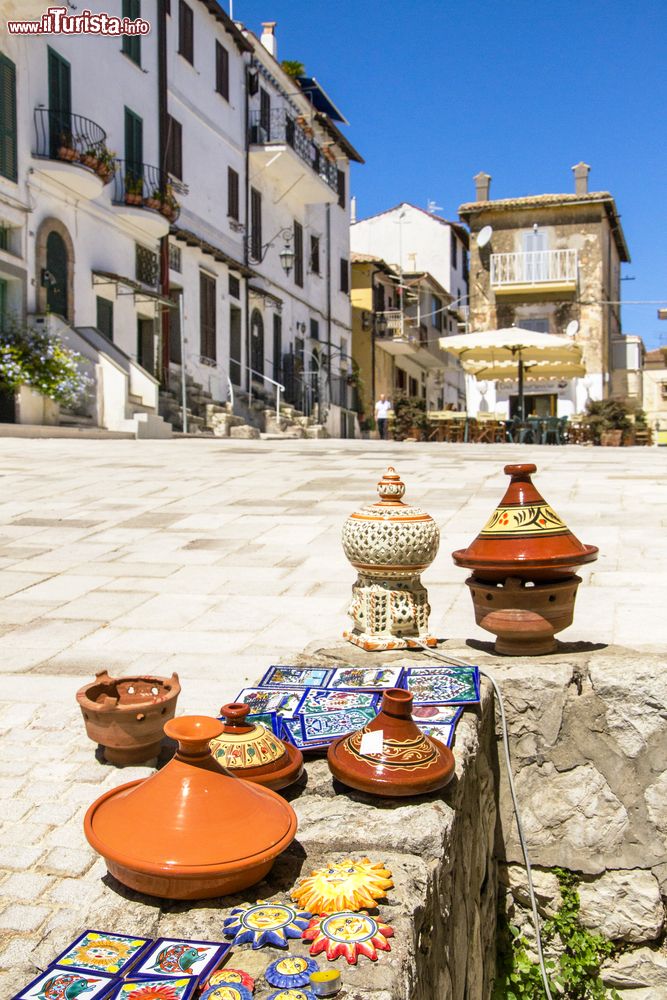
<point>573,972</point>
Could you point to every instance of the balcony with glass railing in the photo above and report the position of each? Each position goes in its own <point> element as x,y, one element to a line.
<point>534,272</point>
<point>281,146</point>
<point>72,150</point>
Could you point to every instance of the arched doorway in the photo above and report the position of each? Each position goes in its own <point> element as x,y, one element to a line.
<point>257,343</point>
<point>54,269</point>
<point>57,274</point>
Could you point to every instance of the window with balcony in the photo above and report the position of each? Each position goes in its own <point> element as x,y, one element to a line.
<point>298,254</point>
<point>232,194</point>
<point>131,44</point>
<point>8,154</point>
<point>454,250</point>
<point>436,312</point>
<point>207,340</point>
<point>134,144</point>
<point>265,114</point>
<point>315,254</point>
<point>222,70</point>
<point>186,44</point>
<point>174,148</point>
<point>175,263</point>
<point>255,224</point>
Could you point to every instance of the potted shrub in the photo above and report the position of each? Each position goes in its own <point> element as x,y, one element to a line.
<point>410,420</point>
<point>606,418</point>
<point>106,164</point>
<point>169,204</point>
<point>134,190</point>
<point>37,360</point>
<point>90,158</point>
<point>154,201</point>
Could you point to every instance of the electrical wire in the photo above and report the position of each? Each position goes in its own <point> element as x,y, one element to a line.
<point>510,778</point>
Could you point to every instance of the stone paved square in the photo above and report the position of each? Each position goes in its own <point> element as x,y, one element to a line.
<point>215,558</point>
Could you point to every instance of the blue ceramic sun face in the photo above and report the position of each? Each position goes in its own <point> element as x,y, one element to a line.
<point>292,994</point>
<point>291,971</point>
<point>264,923</point>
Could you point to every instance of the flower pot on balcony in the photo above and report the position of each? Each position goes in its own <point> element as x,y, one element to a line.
<point>126,715</point>
<point>154,203</point>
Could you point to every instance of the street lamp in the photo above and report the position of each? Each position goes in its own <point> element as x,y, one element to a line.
<point>287,258</point>
<point>257,253</point>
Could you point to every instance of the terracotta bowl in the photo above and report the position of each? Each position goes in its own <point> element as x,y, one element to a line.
<point>126,715</point>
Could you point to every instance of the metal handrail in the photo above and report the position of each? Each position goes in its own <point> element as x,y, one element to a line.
<point>144,186</point>
<point>279,386</point>
<point>62,135</point>
<point>280,127</point>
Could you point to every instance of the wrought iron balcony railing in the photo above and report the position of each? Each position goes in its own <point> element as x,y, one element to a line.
<point>279,127</point>
<point>144,186</point>
<point>62,135</point>
<point>533,267</point>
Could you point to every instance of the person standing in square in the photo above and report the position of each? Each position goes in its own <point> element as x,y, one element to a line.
<point>382,408</point>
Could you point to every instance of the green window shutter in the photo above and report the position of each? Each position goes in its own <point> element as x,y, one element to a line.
<point>8,155</point>
<point>131,44</point>
<point>134,144</point>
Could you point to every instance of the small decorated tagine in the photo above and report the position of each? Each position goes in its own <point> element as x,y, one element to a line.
<point>523,583</point>
<point>252,751</point>
<point>126,715</point>
<point>390,756</point>
<point>343,885</point>
<point>390,543</point>
<point>190,831</point>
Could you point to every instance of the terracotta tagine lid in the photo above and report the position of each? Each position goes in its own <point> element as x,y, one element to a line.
<point>391,756</point>
<point>253,752</point>
<point>390,538</point>
<point>524,537</point>
<point>190,831</point>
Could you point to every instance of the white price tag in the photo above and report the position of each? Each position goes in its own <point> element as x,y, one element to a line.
<point>372,743</point>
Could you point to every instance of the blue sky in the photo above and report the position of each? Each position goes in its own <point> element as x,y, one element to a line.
<point>435,91</point>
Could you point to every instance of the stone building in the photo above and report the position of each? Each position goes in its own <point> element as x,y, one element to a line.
<point>654,377</point>
<point>550,263</point>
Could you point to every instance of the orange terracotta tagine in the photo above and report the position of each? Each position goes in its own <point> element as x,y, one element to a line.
<point>190,831</point>
<point>390,756</point>
<point>523,583</point>
<point>251,751</point>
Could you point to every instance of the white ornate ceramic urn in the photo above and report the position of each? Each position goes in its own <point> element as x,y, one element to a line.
<point>390,543</point>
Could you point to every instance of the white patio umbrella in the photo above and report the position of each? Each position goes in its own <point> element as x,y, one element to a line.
<point>494,354</point>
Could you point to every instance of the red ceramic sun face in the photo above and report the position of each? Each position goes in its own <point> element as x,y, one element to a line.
<point>348,935</point>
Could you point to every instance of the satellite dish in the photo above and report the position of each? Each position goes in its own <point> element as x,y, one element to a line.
<point>572,328</point>
<point>483,236</point>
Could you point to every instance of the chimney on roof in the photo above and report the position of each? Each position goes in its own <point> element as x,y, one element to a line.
<point>581,172</point>
<point>353,210</point>
<point>268,39</point>
<point>482,186</point>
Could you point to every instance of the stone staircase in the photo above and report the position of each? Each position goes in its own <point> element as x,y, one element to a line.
<point>251,417</point>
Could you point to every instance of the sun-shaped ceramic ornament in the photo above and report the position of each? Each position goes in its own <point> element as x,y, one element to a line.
<point>290,972</point>
<point>231,977</point>
<point>227,991</point>
<point>263,923</point>
<point>343,885</point>
<point>292,994</point>
<point>348,935</point>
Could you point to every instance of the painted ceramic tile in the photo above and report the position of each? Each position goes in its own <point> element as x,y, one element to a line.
<point>299,677</point>
<point>268,719</point>
<point>292,732</point>
<point>156,988</point>
<point>63,984</point>
<point>97,951</point>
<point>436,714</point>
<point>321,700</point>
<point>366,678</point>
<point>178,958</point>
<point>262,700</point>
<point>435,685</point>
<point>443,733</point>
<point>334,724</point>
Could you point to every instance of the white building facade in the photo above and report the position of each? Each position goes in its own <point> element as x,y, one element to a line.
<point>126,209</point>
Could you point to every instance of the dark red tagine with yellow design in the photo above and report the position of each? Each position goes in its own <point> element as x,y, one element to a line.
<point>253,752</point>
<point>391,756</point>
<point>523,560</point>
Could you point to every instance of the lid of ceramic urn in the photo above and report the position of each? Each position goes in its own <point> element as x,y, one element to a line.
<point>524,533</point>
<point>190,817</point>
<point>390,506</point>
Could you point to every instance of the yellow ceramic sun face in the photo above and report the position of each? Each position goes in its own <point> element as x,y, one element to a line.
<point>344,885</point>
<point>267,917</point>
